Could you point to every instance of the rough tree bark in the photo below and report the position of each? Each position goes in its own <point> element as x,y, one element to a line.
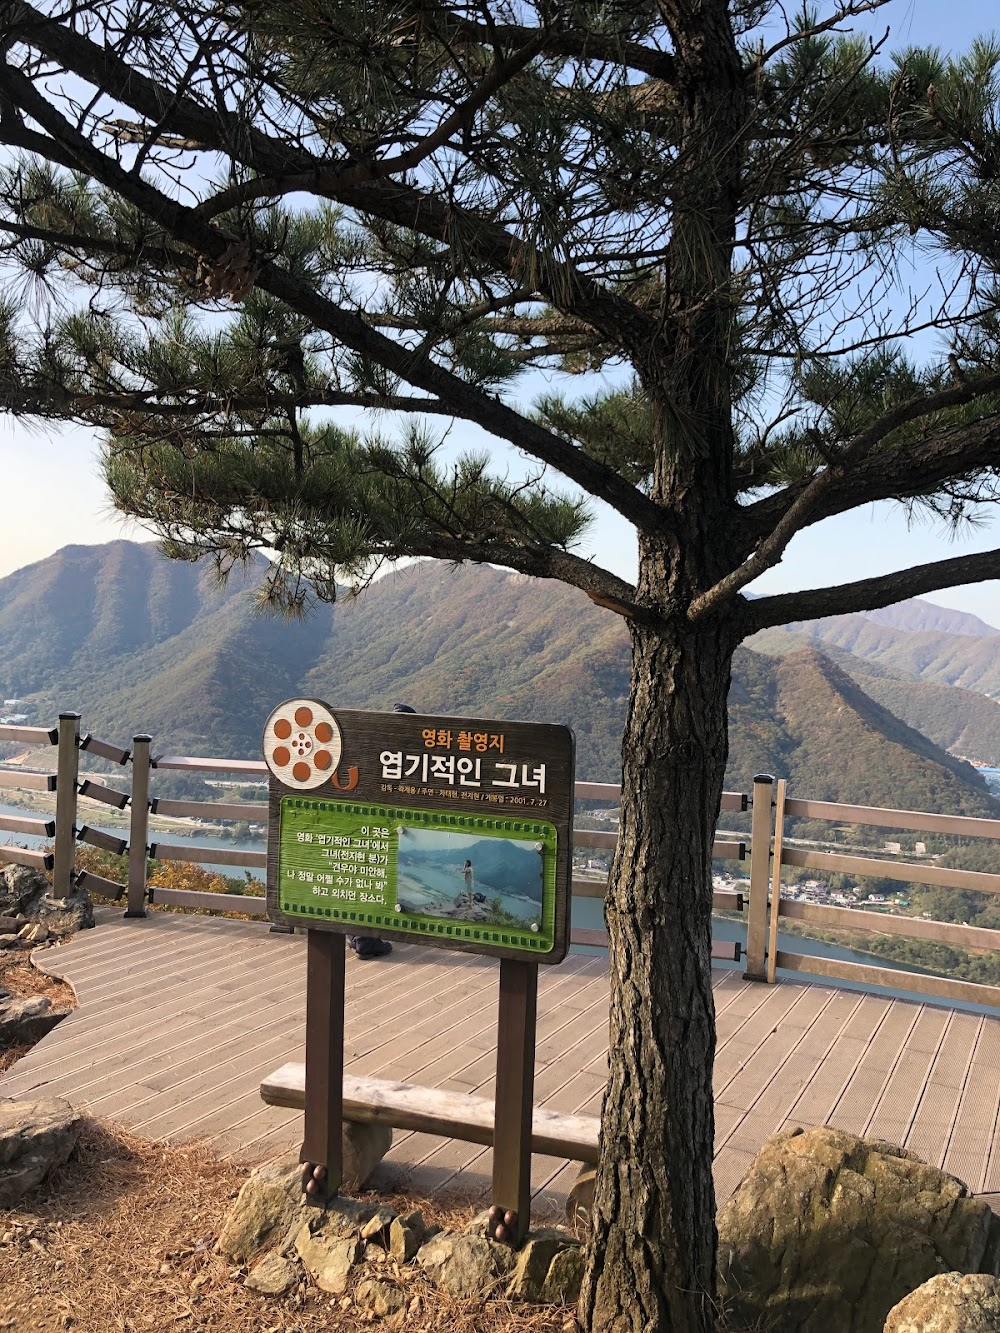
<point>653,1256</point>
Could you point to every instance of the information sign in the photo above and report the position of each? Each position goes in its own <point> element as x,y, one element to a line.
<point>452,831</point>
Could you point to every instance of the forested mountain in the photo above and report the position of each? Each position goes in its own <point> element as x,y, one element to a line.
<point>906,644</point>
<point>139,643</point>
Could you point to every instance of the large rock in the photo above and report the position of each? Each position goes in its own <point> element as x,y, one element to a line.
<point>26,1019</point>
<point>406,1235</point>
<point>271,1209</point>
<point>534,1262</point>
<point>21,889</point>
<point>565,1277</point>
<point>35,1137</point>
<point>328,1258</point>
<point>26,893</point>
<point>466,1266</point>
<point>580,1203</point>
<point>264,1210</point>
<point>949,1303</point>
<point>363,1148</point>
<point>380,1297</point>
<point>828,1232</point>
<point>273,1276</point>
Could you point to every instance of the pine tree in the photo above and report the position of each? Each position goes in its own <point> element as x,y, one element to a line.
<point>225,222</point>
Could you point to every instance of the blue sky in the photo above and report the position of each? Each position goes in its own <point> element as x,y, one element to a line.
<point>53,495</point>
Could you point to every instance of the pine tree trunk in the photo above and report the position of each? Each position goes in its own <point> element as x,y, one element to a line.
<point>653,1241</point>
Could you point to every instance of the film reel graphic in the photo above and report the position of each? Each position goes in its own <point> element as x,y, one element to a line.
<point>302,744</point>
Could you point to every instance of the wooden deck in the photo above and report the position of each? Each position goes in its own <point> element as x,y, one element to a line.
<point>180,1017</point>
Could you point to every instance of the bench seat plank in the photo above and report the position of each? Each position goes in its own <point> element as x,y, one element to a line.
<point>453,1115</point>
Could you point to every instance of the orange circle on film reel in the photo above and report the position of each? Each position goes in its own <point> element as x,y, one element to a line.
<point>302,744</point>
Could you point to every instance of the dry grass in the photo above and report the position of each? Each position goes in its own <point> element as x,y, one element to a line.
<point>20,977</point>
<point>123,1239</point>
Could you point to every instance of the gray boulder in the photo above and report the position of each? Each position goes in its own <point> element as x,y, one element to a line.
<point>271,1209</point>
<point>273,1276</point>
<point>26,893</point>
<point>26,1019</point>
<point>535,1260</point>
<point>466,1266</point>
<point>828,1232</point>
<point>406,1235</point>
<point>35,1137</point>
<point>328,1257</point>
<point>267,1207</point>
<point>949,1303</point>
<point>363,1147</point>
<point>381,1298</point>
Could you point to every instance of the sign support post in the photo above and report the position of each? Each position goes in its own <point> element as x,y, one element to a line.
<point>322,1143</point>
<point>511,1205</point>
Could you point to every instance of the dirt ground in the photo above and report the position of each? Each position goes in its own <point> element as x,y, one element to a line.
<point>122,1239</point>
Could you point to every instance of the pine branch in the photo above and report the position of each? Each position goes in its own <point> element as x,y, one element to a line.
<point>543,562</point>
<point>346,181</point>
<point>59,403</point>
<point>230,269</point>
<point>870,594</point>
<point>913,470</point>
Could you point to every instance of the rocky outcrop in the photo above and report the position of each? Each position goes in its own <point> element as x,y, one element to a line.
<point>35,1137</point>
<point>828,1232</point>
<point>271,1207</point>
<point>950,1303</point>
<point>26,898</point>
<point>465,1265</point>
<point>367,1252</point>
<point>26,1019</point>
<point>273,1275</point>
<point>533,1278</point>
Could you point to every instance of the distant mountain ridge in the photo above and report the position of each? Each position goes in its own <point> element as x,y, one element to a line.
<point>138,643</point>
<point>969,659</point>
<point>919,616</point>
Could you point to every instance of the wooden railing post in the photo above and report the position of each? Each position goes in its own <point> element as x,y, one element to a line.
<point>139,827</point>
<point>67,775</point>
<point>779,835</point>
<point>760,874</point>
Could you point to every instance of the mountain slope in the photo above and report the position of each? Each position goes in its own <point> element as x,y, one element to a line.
<point>968,660</point>
<point>137,643</point>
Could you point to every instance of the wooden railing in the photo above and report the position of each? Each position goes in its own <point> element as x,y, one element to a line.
<point>846,918</point>
<point>140,847</point>
<point>766,849</point>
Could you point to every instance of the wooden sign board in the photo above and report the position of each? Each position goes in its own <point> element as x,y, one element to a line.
<point>452,832</point>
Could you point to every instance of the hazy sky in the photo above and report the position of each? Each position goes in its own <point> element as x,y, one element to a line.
<point>53,496</point>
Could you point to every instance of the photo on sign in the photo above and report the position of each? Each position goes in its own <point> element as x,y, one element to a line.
<point>466,877</point>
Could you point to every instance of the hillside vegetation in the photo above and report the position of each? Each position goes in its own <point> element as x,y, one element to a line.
<point>969,658</point>
<point>139,643</point>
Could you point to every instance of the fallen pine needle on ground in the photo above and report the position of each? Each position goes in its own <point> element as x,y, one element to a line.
<point>122,1239</point>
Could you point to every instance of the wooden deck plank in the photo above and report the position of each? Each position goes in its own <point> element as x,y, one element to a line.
<point>971,1143</point>
<point>777,1095</point>
<point>180,1017</point>
<point>893,1113</point>
<point>941,1096</point>
<point>874,1067</point>
<point>754,1073</point>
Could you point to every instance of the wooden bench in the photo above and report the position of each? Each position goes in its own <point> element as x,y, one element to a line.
<point>453,1115</point>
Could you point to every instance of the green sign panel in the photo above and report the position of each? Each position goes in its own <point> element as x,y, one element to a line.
<point>470,880</point>
<point>449,831</point>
